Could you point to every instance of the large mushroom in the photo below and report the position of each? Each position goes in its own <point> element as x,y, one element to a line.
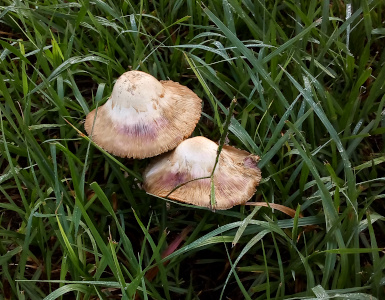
<point>175,174</point>
<point>143,116</point>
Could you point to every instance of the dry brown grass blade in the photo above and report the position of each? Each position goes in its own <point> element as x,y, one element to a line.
<point>282,208</point>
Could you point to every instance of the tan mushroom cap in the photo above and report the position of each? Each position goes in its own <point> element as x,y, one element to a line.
<point>144,117</point>
<point>236,175</point>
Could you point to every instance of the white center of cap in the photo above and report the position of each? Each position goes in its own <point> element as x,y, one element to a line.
<point>197,155</point>
<point>136,89</point>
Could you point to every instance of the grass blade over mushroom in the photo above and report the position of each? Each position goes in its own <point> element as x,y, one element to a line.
<point>220,146</point>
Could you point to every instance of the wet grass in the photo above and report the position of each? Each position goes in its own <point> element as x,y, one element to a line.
<point>308,77</point>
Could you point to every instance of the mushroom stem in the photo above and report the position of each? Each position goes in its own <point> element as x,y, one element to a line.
<point>220,146</point>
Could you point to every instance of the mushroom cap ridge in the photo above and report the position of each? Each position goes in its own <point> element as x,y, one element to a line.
<point>235,178</point>
<point>144,117</point>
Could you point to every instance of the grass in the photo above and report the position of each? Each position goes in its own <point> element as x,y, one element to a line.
<point>309,83</point>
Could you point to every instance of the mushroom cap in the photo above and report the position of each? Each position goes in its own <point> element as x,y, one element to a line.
<point>236,175</point>
<point>144,117</point>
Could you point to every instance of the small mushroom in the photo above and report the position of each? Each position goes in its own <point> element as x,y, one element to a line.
<point>144,117</point>
<point>235,177</point>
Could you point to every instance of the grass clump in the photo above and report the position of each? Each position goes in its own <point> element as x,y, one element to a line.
<point>308,77</point>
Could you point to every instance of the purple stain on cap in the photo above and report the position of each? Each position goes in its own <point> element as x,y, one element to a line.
<point>174,179</point>
<point>139,130</point>
<point>144,131</point>
<point>250,162</point>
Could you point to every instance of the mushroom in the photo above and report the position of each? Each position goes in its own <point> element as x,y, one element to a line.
<point>144,117</point>
<point>175,174</point>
